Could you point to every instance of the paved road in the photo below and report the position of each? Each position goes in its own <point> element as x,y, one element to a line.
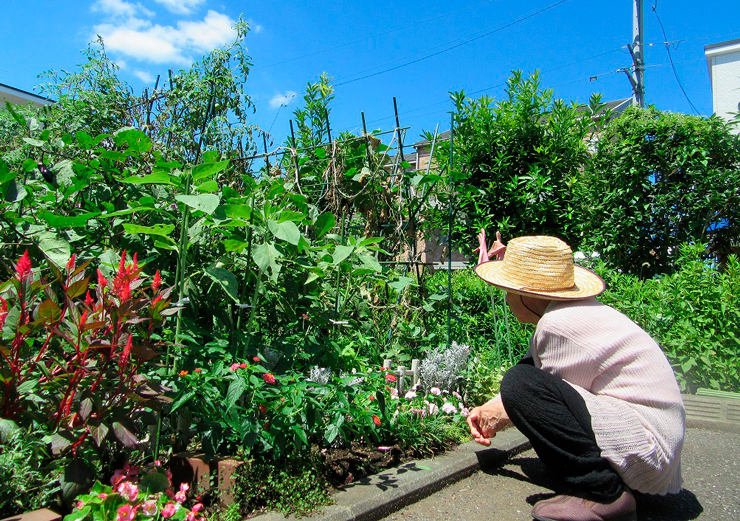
<point>711,470</point>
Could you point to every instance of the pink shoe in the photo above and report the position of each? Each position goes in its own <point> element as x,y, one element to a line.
<point>570,508</point>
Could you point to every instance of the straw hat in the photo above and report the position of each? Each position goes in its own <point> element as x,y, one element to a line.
<point>541,267</point>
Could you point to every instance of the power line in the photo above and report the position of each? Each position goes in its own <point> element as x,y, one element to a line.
<point>391,31</point>
<point>670,56</point>
<point>497,29</point>
<point>444,50</point>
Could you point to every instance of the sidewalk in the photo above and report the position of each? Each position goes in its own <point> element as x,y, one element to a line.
<point>504,481</point>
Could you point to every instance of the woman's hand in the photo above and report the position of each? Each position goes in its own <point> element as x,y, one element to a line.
<point>497,248</point>
<point>485,421</point>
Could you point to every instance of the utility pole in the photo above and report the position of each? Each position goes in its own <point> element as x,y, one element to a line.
<point>637,50</point>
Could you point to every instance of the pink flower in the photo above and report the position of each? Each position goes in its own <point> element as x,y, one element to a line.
<point>126,513</point>
<point>234,366</point>
<point>390,377</point>
<point>435,391</point>
<point>169,510</point>
<point>149,508</point>
<point>410,395</point>
<point>23,268</point>
<point>102,496</point>
<point>129,491</point>
<point>448,408</point>
<point>376,420</point>
<point>198,370</point>
<point>118,476</point>
<point>197,507</point>
<point>269,378</point>
<point>464,411</point>
<point>180,497</point>
<point>80,505</point>
<point>456,395</point>
<point>383,448</point>
<point>192,516</point>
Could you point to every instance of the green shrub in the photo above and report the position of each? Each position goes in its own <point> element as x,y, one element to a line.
<point>659,180</point>
<point>694,314</point>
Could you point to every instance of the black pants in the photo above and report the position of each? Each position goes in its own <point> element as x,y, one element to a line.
<point>554,417</point>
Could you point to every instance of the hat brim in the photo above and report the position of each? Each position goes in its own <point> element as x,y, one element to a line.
<point>587,283</point>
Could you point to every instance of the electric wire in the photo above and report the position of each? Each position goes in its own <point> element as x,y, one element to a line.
<point>373,36</point>
<point>670,56</point>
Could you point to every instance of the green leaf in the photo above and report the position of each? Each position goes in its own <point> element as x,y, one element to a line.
<point>158,229</point>
<point>324,223</point>
<point>235,245</point>
<point>290,215</point>
<point>226,280</point>
<point>233,211</point>
<point>265,256</point>
<point>402,283</point>
<point>235,391</point>
<point>341,253</point>
<point>207,187</point>
<point>286,231</point>
<point>206,203</point>
<point>75,480</point>
<point>371,262</point>
<point>49,312</point>
<point>154,483</point>
<point>208,169</point>
<point>134,140</point>
<point>61,221</point>
<point>56,250</point>
<point>17,117</point>
<point>33,142</point>
<point>15,191</point>
<point>124,435</point>
<point>155,178</point>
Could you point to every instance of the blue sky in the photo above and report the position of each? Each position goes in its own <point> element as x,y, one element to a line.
<point>470,44</point>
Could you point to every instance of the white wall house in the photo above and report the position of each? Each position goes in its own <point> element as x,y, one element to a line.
<point>723,62</point>
<point>20,97</point>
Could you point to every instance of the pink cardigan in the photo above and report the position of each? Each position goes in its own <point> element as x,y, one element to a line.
<point>637,413</point>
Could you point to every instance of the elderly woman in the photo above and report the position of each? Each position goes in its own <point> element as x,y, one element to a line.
<point>595,394</point>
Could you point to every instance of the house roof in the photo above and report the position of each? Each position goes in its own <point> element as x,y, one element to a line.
<point>21,97</point>
<point>618,105</point>
<point>721,45</point>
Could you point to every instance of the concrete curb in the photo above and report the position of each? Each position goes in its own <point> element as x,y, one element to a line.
<point>377,496</point>
<point>374,497</point>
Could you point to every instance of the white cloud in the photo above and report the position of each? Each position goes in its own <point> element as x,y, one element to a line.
<point>180,6</point>
<point>120,8</point>
<point>282,99</point>
<point>144,41</point>
<point>144,76</point>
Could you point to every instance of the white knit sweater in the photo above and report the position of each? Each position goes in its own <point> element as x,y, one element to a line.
<point>636,409</point>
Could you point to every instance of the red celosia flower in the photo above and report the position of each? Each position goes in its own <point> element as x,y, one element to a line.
<point>89,300</point>
<point>3,312</point>
<point>390,377</point>
<point>102,281</point>
<point>135,264</point>
<point>71,262</point>
<point>268,378</point>
<point>126,352</point>
<point>83,318</point>
<point>23,268</point>
<point>376,420</point>
<point>156,281</point>
<point>122,264</point>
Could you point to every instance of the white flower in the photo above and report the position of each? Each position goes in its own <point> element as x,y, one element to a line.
<point>435,391</point>
<point>456,395</point>
<point>448,408</point>
<point>464,412</point>
<point>433,409</point>
<point>410,395</point>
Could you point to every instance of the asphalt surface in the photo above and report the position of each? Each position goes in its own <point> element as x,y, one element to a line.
<point>711,489</point>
